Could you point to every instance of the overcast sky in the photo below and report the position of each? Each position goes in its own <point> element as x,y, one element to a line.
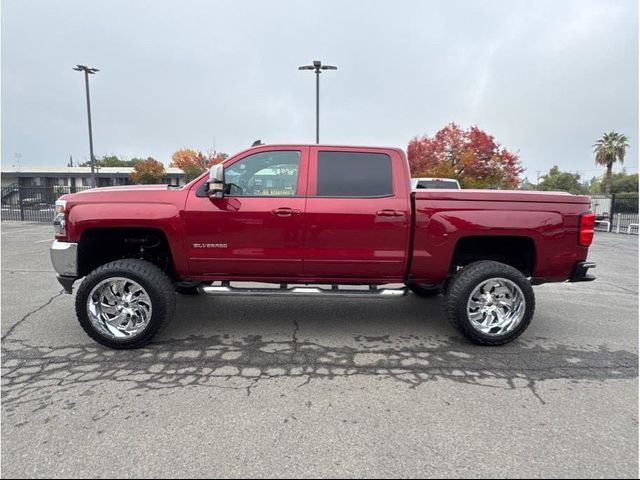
<point>546,78</point>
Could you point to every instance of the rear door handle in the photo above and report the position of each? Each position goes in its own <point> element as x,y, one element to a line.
<point>389,213</point>
<point>285,211</point>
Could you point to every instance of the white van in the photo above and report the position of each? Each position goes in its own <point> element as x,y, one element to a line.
<point>429,182</point>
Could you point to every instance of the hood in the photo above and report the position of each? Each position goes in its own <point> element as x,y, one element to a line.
<point>123,188</point>
<point>126,194</point>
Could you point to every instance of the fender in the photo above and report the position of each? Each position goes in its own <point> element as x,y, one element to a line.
<point>161,216</point>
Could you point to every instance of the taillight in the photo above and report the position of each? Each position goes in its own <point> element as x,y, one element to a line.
<point>587,222</point>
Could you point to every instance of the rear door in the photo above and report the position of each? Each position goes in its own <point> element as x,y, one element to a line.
<point>357,219</point>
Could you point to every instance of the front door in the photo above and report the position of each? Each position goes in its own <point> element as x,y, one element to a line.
<point>255,231</point>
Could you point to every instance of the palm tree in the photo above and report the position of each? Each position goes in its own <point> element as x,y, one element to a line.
<point>610,149</point>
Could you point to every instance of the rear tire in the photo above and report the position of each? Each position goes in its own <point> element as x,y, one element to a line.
<point>124,304</point>
<point>490,303</point>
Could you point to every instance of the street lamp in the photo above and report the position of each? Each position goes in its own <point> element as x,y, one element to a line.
<point>317,67</point>
<point>89,71</point>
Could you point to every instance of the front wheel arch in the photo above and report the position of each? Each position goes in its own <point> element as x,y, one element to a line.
<point>102,245</point>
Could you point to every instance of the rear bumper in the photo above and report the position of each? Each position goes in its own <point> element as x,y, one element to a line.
<point>580,272</point>
<point>64,258</point>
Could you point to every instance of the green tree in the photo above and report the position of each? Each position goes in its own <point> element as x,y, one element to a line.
<point>609,149</point>
<point>624,183</point>
<point>525,184</point>
<point>557,180</point>
<point>594,186</point>
<point>113,161</point>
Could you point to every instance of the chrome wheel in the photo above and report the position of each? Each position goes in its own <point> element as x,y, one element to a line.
<point>119,307</point>
<point>496,306</point>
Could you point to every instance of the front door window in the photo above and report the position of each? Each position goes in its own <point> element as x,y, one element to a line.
<point>265,174</point>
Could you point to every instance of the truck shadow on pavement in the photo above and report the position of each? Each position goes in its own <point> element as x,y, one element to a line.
<point>248,349</point>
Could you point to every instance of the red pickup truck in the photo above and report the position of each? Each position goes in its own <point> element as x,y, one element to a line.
<point>315,220</point>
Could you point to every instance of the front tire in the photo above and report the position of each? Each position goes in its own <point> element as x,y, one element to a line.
<point>491,303</point>
<point>124,304</point>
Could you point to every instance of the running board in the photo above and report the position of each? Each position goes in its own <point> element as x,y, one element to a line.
<point>225,288</point>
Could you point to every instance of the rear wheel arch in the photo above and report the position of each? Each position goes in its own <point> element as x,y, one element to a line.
<point>516,251</point>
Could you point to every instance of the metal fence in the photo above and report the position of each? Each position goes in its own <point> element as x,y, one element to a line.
<point>617,212</point>
<point>32,204</point>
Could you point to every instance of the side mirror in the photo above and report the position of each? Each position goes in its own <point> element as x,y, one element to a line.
<point>216,181</point>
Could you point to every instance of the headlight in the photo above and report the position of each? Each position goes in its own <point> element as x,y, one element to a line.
<point>58,219</point>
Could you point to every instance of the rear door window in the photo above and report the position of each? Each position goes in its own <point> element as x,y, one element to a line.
<point>354,174</point>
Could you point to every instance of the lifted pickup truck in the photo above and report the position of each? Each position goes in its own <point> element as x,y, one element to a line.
<point>315,220</point>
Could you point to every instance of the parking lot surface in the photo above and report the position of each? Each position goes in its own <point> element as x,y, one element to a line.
<point>289,387</point>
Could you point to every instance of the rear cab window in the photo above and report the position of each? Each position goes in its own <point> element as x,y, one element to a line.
<point>353,174</point>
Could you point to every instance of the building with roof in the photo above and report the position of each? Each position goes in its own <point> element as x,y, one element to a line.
<point>30,192</point>
<point>75,177</point>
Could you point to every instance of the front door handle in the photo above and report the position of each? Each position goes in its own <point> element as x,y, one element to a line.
<point>389,213</point>
<point>285,211</point>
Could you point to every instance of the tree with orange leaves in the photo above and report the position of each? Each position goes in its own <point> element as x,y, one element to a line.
<point>471,156</point>
<point>148,171</point>
<point>193,162</point>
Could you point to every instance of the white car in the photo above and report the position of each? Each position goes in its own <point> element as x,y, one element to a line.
<point>430,182</point>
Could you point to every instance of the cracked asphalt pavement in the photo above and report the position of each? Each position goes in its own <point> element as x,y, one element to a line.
<point>291,387</point>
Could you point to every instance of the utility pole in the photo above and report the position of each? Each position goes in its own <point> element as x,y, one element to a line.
<point>317,67</point>
<point>89,71</point>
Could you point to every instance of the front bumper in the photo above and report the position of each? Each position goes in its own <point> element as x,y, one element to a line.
<point>64,258</point>
<point>580,272</point>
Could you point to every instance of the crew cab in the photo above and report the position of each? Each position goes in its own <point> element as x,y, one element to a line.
<point>315,220</point>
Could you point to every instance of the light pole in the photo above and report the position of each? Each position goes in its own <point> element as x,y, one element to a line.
<point>317,67</point>
<point>89,71</point>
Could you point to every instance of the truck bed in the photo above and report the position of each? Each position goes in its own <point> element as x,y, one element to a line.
<point>548,220</point>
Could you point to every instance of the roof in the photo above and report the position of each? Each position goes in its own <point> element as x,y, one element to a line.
<point>321,145</point>
<point>275,146</point>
